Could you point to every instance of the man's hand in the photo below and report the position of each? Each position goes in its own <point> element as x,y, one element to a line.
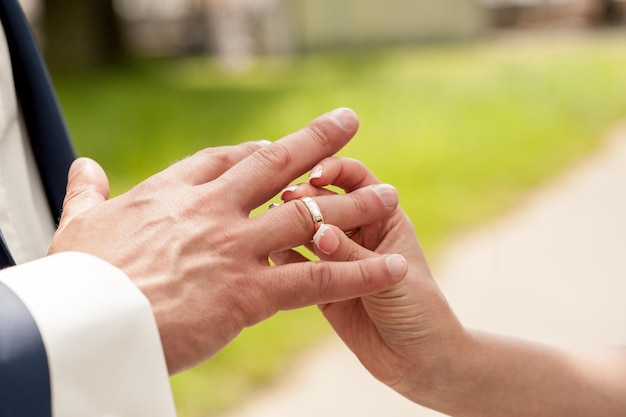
<point>186,238</point>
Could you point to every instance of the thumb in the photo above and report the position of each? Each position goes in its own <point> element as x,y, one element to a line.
<point>331,244</point>
<point>87,186</point>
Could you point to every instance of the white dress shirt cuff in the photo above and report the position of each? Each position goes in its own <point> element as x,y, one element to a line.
<point>101,339</point>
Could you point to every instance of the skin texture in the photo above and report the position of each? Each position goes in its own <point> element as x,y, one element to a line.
<point>408,337</point>
<point>186,239</point>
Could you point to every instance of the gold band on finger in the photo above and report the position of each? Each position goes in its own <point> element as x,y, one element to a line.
<point>314,210</point>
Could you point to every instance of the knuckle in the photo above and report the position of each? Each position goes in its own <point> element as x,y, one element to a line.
<point>251,147</point>
<point>246,303</point>
<point>321,136</point>
<point>365,274</point>
<point>83,193</point>
<point>276,156</point>
<point>302,222</point>
<point>216,157</point>
<point>304,215</point>
<point>351,252</point>
<point>359,203</point>
<point>75,191</point>
<point>323,277</point>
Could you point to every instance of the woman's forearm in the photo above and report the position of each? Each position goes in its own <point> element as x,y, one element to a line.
<point>496,376</point>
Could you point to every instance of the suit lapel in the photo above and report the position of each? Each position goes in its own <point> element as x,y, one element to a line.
<point>42,115</point>
<point>44,122</point>
<point>5,256</point>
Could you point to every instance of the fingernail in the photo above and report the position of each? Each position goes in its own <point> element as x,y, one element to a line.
<point>326,239</point>
<point>316,172</point>
<point>344,118</point>
<point>264,142</point>
<point>289,189</point>
<point>387,193</point>
<point>397,265</point>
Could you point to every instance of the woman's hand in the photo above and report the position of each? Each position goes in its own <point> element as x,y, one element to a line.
<point>408,337</point>
<point>402,334</point>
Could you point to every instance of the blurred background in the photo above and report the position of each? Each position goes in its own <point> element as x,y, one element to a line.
<point>465,106</point>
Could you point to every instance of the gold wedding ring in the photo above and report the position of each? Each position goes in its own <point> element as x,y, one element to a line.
<point>314,210</point>
<point>316,214</point>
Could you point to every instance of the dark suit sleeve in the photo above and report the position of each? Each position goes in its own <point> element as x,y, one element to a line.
<point>24,375</point>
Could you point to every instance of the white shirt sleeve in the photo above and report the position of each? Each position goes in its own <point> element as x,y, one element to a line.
<point>101,339</point>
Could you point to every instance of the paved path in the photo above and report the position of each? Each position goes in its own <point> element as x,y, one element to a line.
<point>554,270</point>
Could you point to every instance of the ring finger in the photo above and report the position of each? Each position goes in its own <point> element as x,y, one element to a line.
<point>292,224</point>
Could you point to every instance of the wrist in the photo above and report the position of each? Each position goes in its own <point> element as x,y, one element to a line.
<point>435,372</point>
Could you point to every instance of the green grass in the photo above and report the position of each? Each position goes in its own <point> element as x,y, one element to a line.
<point>462,130</point>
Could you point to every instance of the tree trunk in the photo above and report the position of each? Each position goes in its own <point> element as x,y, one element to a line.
<point>81,34</point>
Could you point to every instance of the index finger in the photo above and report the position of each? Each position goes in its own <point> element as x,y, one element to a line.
<point>346,173</point>
<point>262,175</point>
